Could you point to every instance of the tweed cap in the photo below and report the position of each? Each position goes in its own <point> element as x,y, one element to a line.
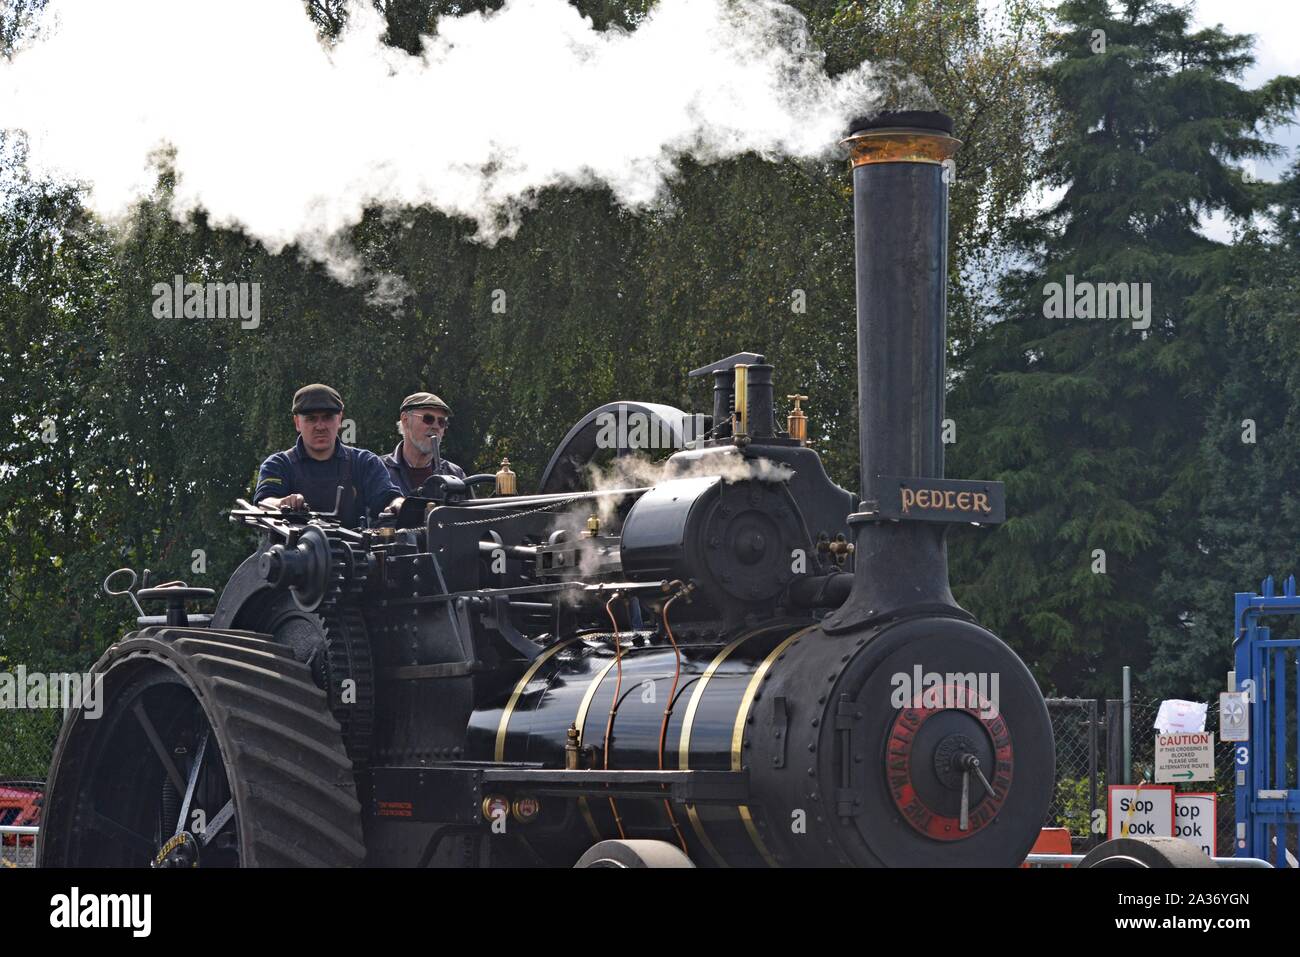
<point>317,397</point>
<point>423,400</point>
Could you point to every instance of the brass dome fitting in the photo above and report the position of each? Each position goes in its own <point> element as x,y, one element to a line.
<point>506,479</point>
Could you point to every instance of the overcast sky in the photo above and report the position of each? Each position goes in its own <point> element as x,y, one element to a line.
<point>1276,27</point>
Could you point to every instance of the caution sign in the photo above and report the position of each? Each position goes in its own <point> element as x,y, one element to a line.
<point>1187,756</point>
<point>1196,820</point>
<point>1135,810</point>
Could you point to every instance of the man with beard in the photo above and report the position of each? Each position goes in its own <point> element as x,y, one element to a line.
<point>422,422</point>
<point>310,474</point>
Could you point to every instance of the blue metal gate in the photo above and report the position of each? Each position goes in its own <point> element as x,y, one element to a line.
<point>1267,776</point>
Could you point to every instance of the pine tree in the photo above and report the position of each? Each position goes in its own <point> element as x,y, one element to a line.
<point>1248,522</point>
<point>1095,420</point>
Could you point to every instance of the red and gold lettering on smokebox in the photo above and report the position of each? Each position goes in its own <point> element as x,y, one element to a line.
<point>902,737</point>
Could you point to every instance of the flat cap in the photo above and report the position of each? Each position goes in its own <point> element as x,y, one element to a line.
<point>423,400</point>
<point>317,397</point>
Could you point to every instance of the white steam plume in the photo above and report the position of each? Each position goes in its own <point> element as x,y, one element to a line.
<point>290,139</point>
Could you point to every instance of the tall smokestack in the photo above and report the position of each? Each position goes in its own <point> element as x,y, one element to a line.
<point>900,214</point>
<point>900,219</point>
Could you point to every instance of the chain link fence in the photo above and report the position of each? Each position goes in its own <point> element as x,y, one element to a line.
<point>1090,755</point>
<point>27,739</point>
<point>20,814</point>
<point>1077,726</point>
<point>16,856</point>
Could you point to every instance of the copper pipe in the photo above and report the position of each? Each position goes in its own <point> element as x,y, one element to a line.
<point>668,709</point>
<point>613,706</point>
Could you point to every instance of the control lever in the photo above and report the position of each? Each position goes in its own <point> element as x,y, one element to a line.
<point>124,591</point>
<point>338,501</point>
<point>970,764</point>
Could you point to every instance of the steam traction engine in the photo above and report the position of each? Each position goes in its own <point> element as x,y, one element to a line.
<point>707,668</point>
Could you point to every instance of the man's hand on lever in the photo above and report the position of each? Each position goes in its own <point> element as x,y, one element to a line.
<point>293,501</point>
<point>393,507</point>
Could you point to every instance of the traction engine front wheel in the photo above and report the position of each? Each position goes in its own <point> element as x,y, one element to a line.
<point>202,748</point>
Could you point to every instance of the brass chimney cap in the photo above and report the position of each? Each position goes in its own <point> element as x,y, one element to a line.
<point>907,136</point>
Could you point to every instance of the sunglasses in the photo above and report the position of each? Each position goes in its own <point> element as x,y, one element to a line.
<point>430,419</point>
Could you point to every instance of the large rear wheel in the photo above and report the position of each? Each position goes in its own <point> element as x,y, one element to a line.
<point>210,748</point>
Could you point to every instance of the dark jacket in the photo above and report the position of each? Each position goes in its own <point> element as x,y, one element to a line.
<point>400,473</point>
<point>366,485</point>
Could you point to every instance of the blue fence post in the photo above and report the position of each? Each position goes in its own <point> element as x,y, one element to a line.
<point>1243,633</point>
<point>1267,799</point>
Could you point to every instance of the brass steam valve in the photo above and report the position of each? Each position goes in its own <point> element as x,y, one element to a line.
<point>796,423</point>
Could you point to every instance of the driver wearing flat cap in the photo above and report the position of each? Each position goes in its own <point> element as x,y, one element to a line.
<point>310,474</point>
<point>422,422</point>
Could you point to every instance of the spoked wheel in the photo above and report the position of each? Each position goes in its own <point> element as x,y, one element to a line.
<point>212,749</point>
<point>162,744</point>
